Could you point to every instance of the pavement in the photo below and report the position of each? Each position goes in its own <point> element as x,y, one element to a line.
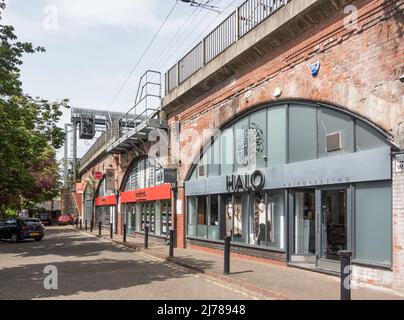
<point>266,279</point>
<point>88,267</point>
<point>91,267</point>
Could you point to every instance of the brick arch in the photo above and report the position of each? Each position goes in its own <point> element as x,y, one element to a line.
<point>98,185</point>
<point>279,102</point>
<point>129,169</point>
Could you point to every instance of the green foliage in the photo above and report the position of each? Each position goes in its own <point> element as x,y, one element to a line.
<point>10,213</point>
<point>29,133</point>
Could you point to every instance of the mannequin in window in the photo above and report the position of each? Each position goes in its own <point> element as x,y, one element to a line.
<point>229,218</point>
<point>261,212</point>
<point>237,220</point>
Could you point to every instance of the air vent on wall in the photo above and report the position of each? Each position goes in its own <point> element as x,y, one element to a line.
<point>334,141</point>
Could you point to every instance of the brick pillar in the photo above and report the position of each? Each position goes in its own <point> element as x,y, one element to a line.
<point>119,213</point>
<point>398,231</point>
<point>180,225</point>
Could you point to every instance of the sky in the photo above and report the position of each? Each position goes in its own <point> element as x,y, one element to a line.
<point>93,45</point>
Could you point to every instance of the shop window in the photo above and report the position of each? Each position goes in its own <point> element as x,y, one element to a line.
<point>276,136</point>
<point>227,151</point>
<point>258,140</point>
<point>241,145</point>
<point>214,156</point>
<point>302,133</point>
<point>229,213</point>
<point>267,223</point>
<point>260,224</point>
<point>305,223</point>
<point>203,165</point>
<point>335,133</point>
<point>367,137</point>
<point>129,217</point>
<point>373,222</point>
<point>138,217</point>
<point>240,218</point>
<point>276,216</point>
<point>192,209</point>
<point>213,223</point>
<point>201,217</point>
<point>158,217</point>
<point>165,217</point>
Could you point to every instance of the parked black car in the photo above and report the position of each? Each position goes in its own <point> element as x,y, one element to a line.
<point>45,219</point>
<point>20,229</point>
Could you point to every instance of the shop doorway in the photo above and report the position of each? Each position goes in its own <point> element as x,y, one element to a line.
<point>333,233</point>
<point>319,227</point>
<point>303,227</point>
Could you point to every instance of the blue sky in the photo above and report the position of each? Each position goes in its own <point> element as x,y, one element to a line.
<point>93,44</point>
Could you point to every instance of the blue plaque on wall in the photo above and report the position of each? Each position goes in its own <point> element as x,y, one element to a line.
<point>315,68</point>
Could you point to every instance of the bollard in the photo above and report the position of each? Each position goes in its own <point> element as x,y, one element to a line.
<point>345,274</point>
<point>226,269</point>
<point>91,226</point>
<point>146,237</point>
<point>77,223</point>
<point>99,228</point>
<point>111,230</point>
<point>85,225</point>
<point>124,233</point>
<point>80,225</point>
<point>171,252</point>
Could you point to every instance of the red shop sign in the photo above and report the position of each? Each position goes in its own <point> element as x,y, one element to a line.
<point>161,192</point>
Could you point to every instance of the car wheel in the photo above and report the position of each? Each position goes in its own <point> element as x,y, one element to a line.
<point>14,238</point>
<point>38,239</point>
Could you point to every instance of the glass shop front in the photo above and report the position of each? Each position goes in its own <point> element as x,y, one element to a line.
<point>302,179</point>
<point>105,206</point>
<point>146,200</point>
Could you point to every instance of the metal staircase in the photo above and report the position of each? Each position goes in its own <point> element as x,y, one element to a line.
<point>133,128</point>
<point>143,117</point>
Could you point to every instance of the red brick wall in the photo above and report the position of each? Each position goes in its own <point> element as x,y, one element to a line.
<point>360,71</point>
<point>181,223</point>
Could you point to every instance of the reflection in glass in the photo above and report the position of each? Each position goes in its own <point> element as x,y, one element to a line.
<point>304,222</point>
<point>260,220</point>
<point>334,215</point>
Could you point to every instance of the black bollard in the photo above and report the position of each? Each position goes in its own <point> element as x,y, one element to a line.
<point>77,223</point>
<point>80,224</point>
<point>99,228</point>
<point>91,226</point>
<point>124,233</point>
<point>171,252</point>
<point>85,225</point>
<point>111,230</point>
<point>346,274</point>
<point>226,269</point>
<point>146,237</point>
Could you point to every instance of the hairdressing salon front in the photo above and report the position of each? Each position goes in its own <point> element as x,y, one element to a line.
<point>295,182</point>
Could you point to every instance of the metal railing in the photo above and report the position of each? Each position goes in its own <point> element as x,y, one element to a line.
<point>191,62</point>
<point>222,37</point>
<point>101,143</point>
<point>245,18</point>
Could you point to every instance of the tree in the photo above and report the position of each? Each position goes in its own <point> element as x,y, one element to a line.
<point>29,133</point>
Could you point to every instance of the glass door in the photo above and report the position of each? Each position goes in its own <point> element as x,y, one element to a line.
<point>305,222</point>
<point>333,223</point>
